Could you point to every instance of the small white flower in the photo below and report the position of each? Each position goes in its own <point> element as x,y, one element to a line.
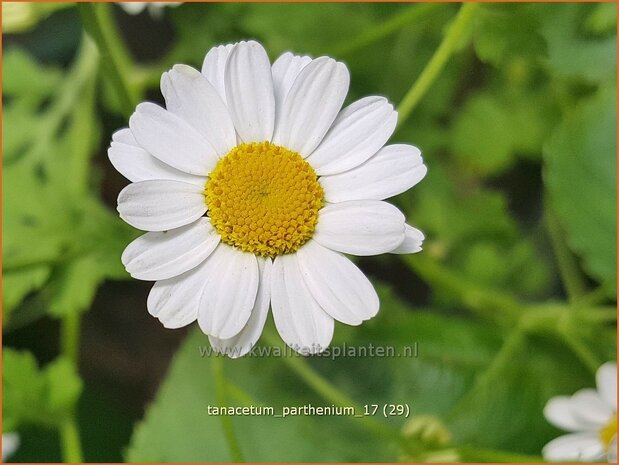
<point>154,8</point>
<point>591,416</point>
<point>289,183</point>
<point>10,443</point>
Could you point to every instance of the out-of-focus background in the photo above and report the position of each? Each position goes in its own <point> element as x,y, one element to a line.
<point>511,302</point>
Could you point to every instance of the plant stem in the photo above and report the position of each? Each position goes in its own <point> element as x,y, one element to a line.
<point>329,392</point>
<point>81,77</point>
<point>572,278</point>
<point>498,307</point>
<point>80,161</point>
<point>226,422</point>
<point>70,334</point>
<point>586,356</point>
<point>70,437</point>
<point>69,432</point>
<point>456,33</point>
<point>594,297</point>
<point>512,344</point>
<point>409,15</point>
<point>97,21</point>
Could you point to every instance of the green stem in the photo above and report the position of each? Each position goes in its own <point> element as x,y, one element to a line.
<point>498,307</point>
<point>97,21</point>
<point>502,359</point>
<point>69,431</point>
<point>70,437</point>
<point>409,15</point>
<point>70,336</point>
<point>586,356</point>
<point>226,422</point>
<point>594,297</point>
<point>600,314</point>
<point>332,394</point>
<point>452,39</point>
<point>80,161</point>
<point>572,278</point>
<point>81,77</point>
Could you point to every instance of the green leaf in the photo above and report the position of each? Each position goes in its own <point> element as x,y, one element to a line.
<point>37,396</point>
<point>451,354</point>
<point>494,128</point>
<point>175,425</point>
<point>64,386</point>
<point>513,268</point>
<point>481,138</point>
<point>580,175</point>
<point>74,286</point>
<point>23,78</point>
<point>308,28</point>
<point>506,31</point>
<point>603,19</point>
<point>58,237</point>
<point>571,52</point>
<point>455,212</point>
<point>18,284</point>
<point>504,409</point>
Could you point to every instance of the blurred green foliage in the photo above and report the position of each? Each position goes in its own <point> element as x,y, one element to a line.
<point>519,210</point>
<point>32,395</point>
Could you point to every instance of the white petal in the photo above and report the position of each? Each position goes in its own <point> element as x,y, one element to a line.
<point>133,8</point>
<point>589,408</point>
<point>161,205</point>
<point>191,96</point>
<point>575,447</point>
<point>243,342</point>
<point>136,164</point>
<point>607,383</point>
<point>171,140</point>
<point>10,443</point>
<point>214,67</point>
<point>249,92</point>
<point>300,321</point>
<point>229,293</point>
<point>311,105</point>
<point>394,169</point>
<point>336,283</point>
<point>558,411</point>
<point>358,132</point>
<point>163,255</point>
<point>360,227</point>
<point>175,301</point>
<point>413,239</point>
<point>285,70</point>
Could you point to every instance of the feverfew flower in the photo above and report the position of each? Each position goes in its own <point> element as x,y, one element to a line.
<point>10,443</point>
<point>253,183</point>
<point>154,8</point>
<point>591,416</point>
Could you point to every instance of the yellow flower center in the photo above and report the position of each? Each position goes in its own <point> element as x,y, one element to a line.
<point>608,433</point>
<point>264,199</point>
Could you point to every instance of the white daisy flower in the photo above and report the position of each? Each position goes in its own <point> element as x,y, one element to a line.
<point>591,416</point>
<point>154,8</point>
<point>253,184</point>
<point>10,443</point>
